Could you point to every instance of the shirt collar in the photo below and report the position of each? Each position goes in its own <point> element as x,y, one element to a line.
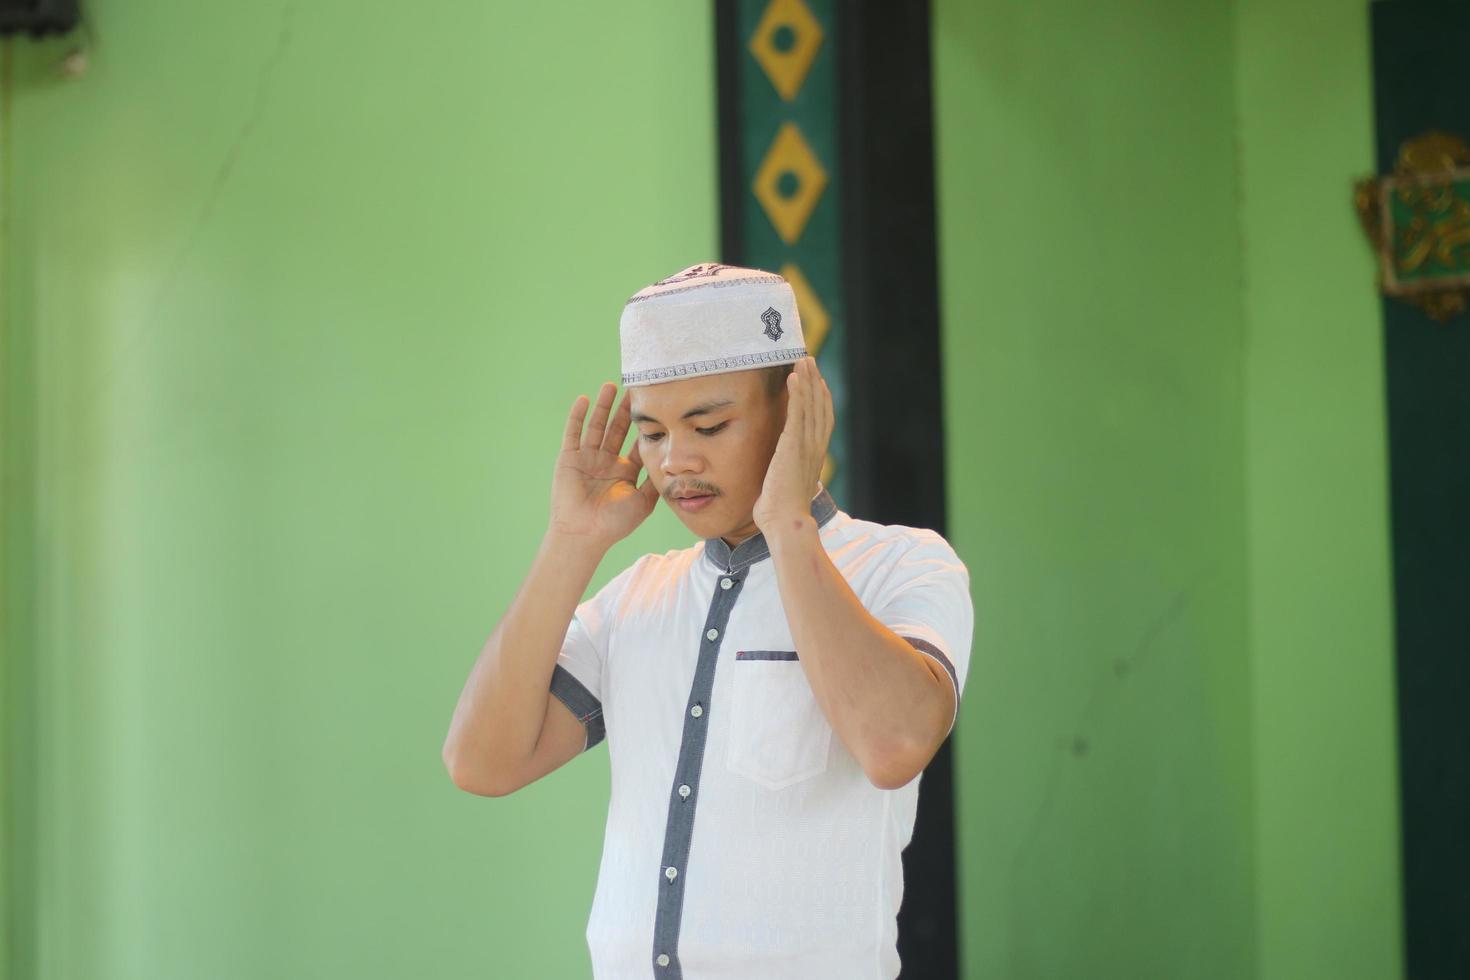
<point>754,548</point>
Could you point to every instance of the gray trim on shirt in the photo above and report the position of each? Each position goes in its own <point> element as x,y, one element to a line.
<point>766,655</point>
<point>754,548</point>
<point>924,646</point>
<point>580,702</point>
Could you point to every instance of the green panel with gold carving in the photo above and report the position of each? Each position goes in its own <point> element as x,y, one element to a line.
<point>1427,221</point>
<point>1422,117</point>
<point>789,221</point>
<point>1418,219</point>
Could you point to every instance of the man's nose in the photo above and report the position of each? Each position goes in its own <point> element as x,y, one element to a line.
<point>681,456</point>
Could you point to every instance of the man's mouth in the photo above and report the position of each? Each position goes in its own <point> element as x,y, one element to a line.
<point>692,501</point>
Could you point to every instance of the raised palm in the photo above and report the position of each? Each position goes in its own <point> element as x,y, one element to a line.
<point>594,491</point>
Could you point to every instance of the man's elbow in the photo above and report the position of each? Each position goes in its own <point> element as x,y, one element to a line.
<point>897,765</point>
<point>473,780</point>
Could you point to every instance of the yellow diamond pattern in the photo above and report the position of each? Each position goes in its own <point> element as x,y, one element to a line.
<point>814,319</point>
<point>789,161</point>
<point>785,43</point>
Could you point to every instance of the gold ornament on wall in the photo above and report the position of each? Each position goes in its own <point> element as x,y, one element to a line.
<point>1418,220</point>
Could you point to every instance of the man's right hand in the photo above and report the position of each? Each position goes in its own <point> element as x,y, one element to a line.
<point>593,490</point>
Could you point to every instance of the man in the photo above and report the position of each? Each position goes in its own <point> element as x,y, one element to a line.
<point>769,696</point>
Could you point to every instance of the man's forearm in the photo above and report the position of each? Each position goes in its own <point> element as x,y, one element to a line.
<point>876,690</point>
<point>502,708</point>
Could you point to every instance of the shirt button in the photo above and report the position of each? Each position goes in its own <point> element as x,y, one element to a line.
<point>712,634</point>
<point>696,711</point>
<point>684,791</point>
<point>725,583</point>
<point>671,872</point>
<point>663,959</point>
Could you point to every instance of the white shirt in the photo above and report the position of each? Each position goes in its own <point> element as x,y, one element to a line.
<point>743,839</point>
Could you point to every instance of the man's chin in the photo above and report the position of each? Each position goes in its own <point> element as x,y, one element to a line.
<point>705,520</point>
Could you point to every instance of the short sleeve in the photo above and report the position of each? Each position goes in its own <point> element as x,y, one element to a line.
<point>926,600</point>
<point>576,681</point>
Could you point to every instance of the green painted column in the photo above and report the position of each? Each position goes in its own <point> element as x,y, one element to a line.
<point>1093,356</point>
<point>1321,608</point>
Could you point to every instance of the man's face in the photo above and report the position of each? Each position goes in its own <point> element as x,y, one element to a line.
<point>712,436</point>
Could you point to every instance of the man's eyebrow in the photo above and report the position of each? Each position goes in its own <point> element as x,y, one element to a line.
<point>704,409</point>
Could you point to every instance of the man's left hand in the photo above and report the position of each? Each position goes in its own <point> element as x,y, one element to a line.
<point>791,479</point>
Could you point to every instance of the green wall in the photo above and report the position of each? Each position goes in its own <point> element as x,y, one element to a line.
<point>1327,857</point>
<point>296,299</point>
<point>1092,345</point>
<point>1164,427</point>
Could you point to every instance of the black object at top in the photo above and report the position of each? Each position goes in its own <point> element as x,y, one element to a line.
<point>38,17</point>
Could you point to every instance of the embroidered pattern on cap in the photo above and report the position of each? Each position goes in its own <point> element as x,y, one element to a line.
<point>772,319</point>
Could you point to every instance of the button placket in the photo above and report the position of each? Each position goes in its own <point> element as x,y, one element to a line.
<point>679,829</point>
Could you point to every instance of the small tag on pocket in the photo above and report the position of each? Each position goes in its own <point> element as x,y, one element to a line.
<point>766,655</point>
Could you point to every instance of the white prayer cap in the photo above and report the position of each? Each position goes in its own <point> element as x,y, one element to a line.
<point>709,319</point>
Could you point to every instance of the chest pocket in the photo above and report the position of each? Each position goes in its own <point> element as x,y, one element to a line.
<point>778,734</point>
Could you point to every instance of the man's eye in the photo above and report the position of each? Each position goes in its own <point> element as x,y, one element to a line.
<point>656,436</point>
